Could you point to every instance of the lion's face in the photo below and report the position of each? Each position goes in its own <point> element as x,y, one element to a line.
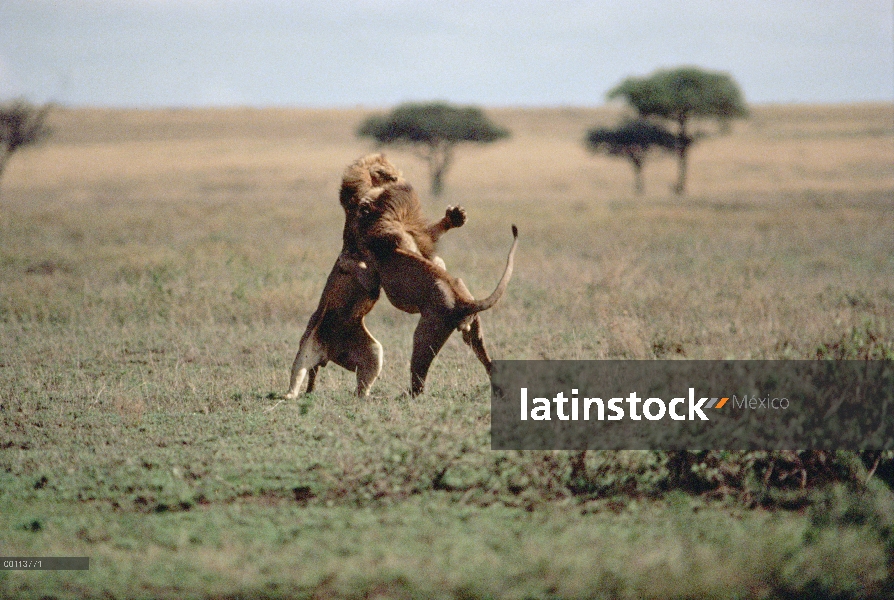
<point>365,173</point>
<point>366,213</point>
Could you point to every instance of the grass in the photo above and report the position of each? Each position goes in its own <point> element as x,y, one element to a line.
<point>159,267</point>
<point>431,548</point>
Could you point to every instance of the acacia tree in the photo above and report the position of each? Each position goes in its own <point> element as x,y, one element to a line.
<point>632,140</point>
<point>21,124</point>
<point>680,95</point>
<point>433,130</point>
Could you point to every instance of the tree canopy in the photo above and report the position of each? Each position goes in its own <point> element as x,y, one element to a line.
<point>683,93</point>
<point>680,95</point>
<point>435,129</point>
<point>632,140</point>
<point>21,124</point>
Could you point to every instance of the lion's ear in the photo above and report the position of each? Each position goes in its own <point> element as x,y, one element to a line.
<point>382,175</point>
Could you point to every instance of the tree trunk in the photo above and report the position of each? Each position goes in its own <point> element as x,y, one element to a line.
<point>437,181</point>
<point>439,157</point>
<point>5,153</point>
<point>682,149</point>
<point>638,185</point>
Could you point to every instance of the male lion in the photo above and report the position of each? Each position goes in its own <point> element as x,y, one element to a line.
<point>336,331</point>
<point>416,284</point>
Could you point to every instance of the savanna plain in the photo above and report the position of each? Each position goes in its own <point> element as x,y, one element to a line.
<point>158,268</point>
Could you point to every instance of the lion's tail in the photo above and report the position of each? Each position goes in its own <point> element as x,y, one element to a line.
<point>488,302</point>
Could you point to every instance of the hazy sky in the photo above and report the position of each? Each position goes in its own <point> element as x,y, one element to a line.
<point>381,52</point>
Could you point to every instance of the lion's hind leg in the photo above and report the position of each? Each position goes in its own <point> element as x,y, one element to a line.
<point>369,365</point>
<point>428,339</point>
<point>312,378</point>
<point>474,338</point>
<point>472,333</point>
<point>362,354</point>
<point>311,355</point>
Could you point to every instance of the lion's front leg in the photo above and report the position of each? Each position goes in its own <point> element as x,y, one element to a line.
<point>454,216</point>
<point>361,271</point>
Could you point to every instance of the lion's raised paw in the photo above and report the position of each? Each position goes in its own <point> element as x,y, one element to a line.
<point>456,215</point>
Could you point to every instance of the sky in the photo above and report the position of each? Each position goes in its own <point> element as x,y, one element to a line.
<point>377,53</point>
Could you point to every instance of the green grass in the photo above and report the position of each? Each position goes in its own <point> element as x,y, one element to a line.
<point>157,274</point>
<point>429,546</point>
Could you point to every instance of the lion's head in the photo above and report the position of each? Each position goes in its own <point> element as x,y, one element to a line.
<point>364,174</point>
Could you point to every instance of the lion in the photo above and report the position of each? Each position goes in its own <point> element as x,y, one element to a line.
<point>336,331</point>
<point>414,283</point>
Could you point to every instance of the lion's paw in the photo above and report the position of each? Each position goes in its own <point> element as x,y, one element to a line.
<point>456,215</point>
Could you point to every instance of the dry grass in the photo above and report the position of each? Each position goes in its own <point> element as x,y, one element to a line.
<point>208,215</point>
<point>780,149</point>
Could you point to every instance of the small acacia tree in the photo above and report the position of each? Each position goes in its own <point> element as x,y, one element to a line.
<point>680,95</point>
<point>632,140</point>
<point>21,124</point>
<point>433,130</point>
